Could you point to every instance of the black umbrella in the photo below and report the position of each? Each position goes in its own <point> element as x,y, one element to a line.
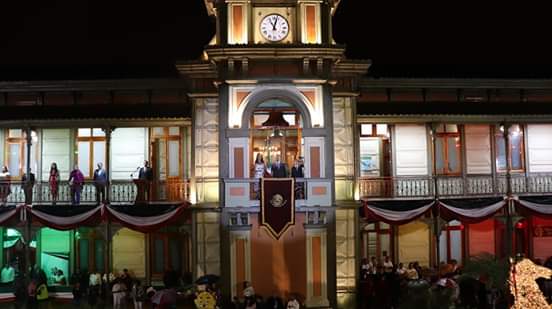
<point>207,279</point>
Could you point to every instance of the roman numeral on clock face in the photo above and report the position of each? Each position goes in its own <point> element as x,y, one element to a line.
<point>274,27</point>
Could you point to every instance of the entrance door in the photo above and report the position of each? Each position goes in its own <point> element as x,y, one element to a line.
<point>166,161</point>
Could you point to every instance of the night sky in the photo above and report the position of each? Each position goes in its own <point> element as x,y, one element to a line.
<point>112,39</point>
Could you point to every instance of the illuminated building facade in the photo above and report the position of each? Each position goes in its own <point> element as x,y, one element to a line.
<point>388,163</point>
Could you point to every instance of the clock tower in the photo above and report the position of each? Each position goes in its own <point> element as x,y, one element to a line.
<point>273,21</point>
<point>273,83</point>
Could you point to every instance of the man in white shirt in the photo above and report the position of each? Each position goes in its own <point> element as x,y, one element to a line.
<point>387,265</point>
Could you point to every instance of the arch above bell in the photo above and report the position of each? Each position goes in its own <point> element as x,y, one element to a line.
<point>244,100</point>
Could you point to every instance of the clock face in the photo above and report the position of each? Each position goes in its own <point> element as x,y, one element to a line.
<point>274,27</point>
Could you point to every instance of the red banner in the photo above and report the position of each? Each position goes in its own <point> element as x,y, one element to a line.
<point>277,205</point>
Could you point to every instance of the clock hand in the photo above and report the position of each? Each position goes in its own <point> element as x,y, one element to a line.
<point>274,24</point>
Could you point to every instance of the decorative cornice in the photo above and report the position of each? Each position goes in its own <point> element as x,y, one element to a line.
<point>83,85</point>
<point>354,67</point>
<point>197,69</point>
<point>271,51</point>
<point>456,83</point>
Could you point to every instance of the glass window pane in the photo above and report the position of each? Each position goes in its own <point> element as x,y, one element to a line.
<point>258,119</point>
<point>500,153</point>
<point>34,162</point>
<point>456,246</point>
<point>99,153</point>
<point>99,254</point>
<point>14,159</point>
<point>174,131</point>
<point>86,132</point>
<point>175,254</point>
<point>83,254</point>
<point>451,128</point>
<point>369,157</point>
<point>443,247</point>
<point>162,155</point>
<point>174,156</point>
<point>440,128</point>
<point>98,132</point>
<point>370,226</point>
<point>439,155</point>
<point>384,226</point>
<point>385,244</point>
<point>381,129</point>
<point>372,244</point>
<point>290,118</point>
<point>84,158</point>
<point>366,129</point>
<point>15,133</point>
<point>158,131</point>
<point>158,266</point>
<point>453,154</point>
<point>516,140</point>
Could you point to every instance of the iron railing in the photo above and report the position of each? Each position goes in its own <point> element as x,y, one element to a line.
<point>120,192</point>
<point>453,186</point>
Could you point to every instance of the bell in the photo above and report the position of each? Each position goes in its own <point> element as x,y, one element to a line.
<point>275,119</point>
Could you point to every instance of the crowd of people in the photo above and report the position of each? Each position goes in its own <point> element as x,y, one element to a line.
<point>384,285</point>
<point>122,290</point>
<point>251,300</point>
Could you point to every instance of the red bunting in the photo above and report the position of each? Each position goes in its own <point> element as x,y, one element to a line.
<point>277,205</point>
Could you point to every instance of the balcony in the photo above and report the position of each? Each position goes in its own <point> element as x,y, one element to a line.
<point>453,186</point>
<point>120,192</point>
<point>308,192</point>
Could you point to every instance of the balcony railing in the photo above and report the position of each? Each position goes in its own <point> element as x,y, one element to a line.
<point>453,186</point>
<point>245,192</point>
<point>120,192</point>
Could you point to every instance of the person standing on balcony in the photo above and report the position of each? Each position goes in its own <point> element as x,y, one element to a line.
<point>146,176</point>
<point>27,183</point>
<point>297,171</point>
<point>53,181</point>
<point>259,171</point>
<point>100,181</point>
<point>279,168</point>
<point>5,189</point>
<point>76,182</point>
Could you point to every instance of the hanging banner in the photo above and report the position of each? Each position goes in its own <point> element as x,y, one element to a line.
<point>277,205</point>
<point>397,212</point>
<point>471,210</point>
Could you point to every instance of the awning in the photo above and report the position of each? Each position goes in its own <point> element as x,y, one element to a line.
<point>470,210</point>
<point>397,212</point>
<point>142,218</point>
<point>540,206</point>
<point>66,217</point>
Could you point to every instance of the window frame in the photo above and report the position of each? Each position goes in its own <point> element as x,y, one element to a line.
<point>22,142</point>
<point>378,230</point>
<point>445,155</point>
<point>91,140</point>
<point>498,134</point>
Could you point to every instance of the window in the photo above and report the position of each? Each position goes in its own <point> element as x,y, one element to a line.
<point>90,150</point>
<point>374,150</point>
<point>448,150</point>
<point>451,242</point>
<point>168,153</point>
<point>516,146</point>
<point>16,152</point>
<point>168,252</point>
<point>377,240</point>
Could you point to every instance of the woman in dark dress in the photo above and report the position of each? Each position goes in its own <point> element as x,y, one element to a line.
<point>53,180</point>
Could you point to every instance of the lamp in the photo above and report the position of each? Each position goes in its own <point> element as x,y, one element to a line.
<point>277,133</point>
